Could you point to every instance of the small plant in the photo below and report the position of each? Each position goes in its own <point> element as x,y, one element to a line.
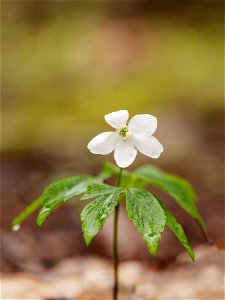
<point>148,213</point>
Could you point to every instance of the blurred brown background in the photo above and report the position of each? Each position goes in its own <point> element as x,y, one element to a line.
<point>64,66</point>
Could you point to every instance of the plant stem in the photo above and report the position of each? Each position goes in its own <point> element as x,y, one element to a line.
<point>115,242</point>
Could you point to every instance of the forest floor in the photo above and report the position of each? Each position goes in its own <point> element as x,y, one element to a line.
<point>89,278</point>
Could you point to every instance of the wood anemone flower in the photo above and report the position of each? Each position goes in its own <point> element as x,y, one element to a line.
<point>127,139</point>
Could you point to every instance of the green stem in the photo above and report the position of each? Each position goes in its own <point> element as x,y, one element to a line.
<point>115,242</point>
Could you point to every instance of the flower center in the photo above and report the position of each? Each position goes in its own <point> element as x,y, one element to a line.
<point>124,132</point>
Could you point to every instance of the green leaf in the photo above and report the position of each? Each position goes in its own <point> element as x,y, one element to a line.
<point>131,180</point>
<point>177,229</point>
<point>178,188</point>
<point>97,189</point>
<point>16,223</point>
<point>61,191</point>
<point>109,169</point>
<point>94,214</point>
<point>147,215</point>
<point>128,179</point>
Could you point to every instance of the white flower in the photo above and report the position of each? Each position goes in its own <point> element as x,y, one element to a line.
<point>127,139</point>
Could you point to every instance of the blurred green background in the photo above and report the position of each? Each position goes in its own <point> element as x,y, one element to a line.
<point>67,64</point>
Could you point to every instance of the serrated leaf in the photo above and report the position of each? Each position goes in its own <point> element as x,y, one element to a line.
<point>94,214</point>
<point>54,195</point>
<point>147,215</point>
<point>177,229</point>
<point>97,189</point>
<point>178,188</point>
<point>61,191</point>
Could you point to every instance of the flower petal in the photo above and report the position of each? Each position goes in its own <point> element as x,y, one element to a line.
<point>143,124</point>
<point>147,145</point>
<point>125,153</point>
<point>117,119</point>
<point>104,143</point>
